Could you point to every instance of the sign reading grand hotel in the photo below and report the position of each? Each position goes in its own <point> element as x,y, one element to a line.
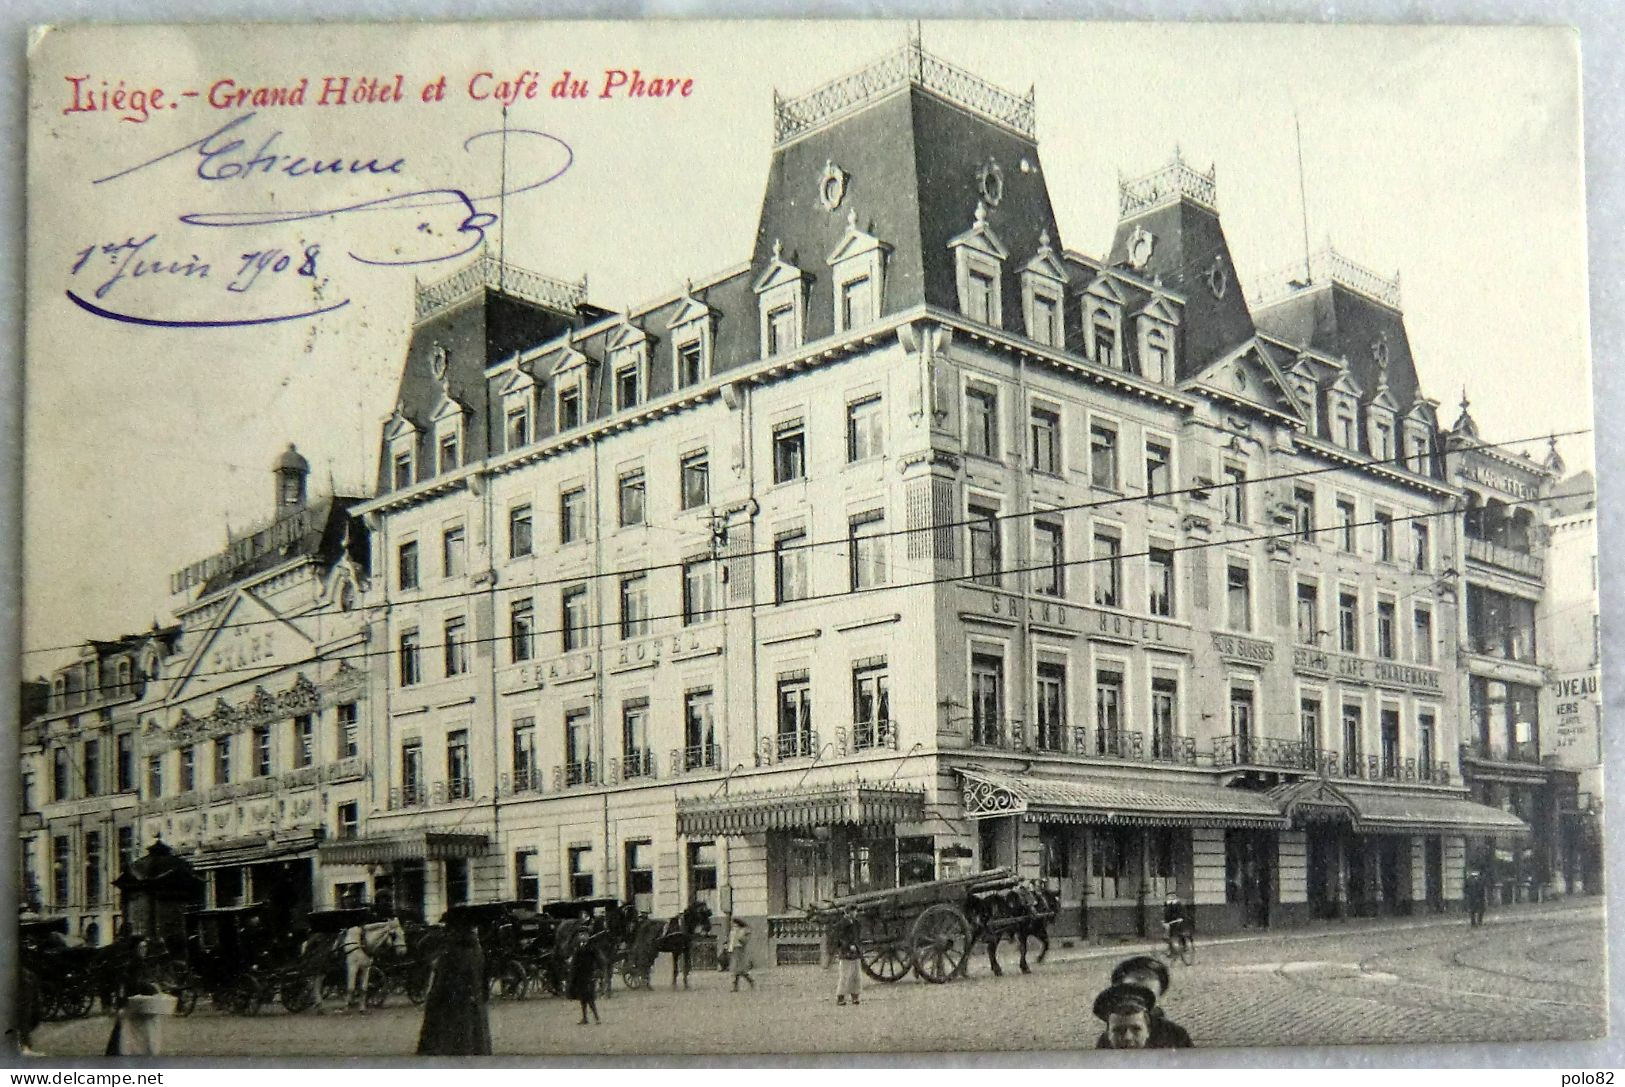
<point>1091,622</point>
<point>1381,673</point>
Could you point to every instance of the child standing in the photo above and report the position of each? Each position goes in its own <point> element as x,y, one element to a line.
<point>848,951</point>
<point>739,955</point>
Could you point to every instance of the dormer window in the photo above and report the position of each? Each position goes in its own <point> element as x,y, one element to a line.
<point>1381,414</point>
<point>569,408</point>
<point>628,387</point>
<point>629,363</point>
<point>781,298</point>
<point>448,452</point>
<point>402,438</point>
<point>1342,405</point>
<point>568,368</point>
<point>1043,281</point>
<point>518,393</point>
<point>690,329</point>
<point>691,363</point>
<point>403,469</point>
<point>1156,356</point>
<point>1307,399</point>
<point>1417,436</point>
<point>1156,322</point>
<point>1103,340</point>
<point>1382,440</point>
<point>517,427</point>
<point>1103,324</point>
<point>979,258</point>
<point>857,270</point>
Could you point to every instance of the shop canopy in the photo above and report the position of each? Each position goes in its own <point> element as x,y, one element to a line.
<point>850,803</point>
<point>253,850</point>
<point>1377,811</point>
<point>1115,803</point>
<point>417,845</point>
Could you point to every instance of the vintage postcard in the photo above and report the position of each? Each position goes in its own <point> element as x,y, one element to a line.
<point>661,538</point>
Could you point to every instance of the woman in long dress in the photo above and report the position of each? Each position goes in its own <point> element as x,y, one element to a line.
<point>456,1021</point>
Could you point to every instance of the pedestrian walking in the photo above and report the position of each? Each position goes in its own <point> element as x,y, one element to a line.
<point>584,977</point>
<point>456,1022</point>
<point>845,939</point>
<point>1151,974</point>
<point>29,1012</point>
<point>740,959</point>
<point>1478,896</point>
<point>138,1024</point>
<point>1126,1011</point>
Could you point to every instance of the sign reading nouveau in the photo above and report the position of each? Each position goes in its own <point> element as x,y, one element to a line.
<point>1576,716</point>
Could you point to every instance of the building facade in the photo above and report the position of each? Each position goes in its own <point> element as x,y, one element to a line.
<point>919,543</point>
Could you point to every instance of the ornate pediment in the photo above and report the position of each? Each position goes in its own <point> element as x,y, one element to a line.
<point>778,272</point>
<point>855,242</point>
<point>1045,263</point>
<point>980,237</point>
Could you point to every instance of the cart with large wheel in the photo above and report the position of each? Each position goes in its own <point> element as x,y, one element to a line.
<point>929,928</point>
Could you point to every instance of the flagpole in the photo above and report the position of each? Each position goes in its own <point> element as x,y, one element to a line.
<point>502,209</point>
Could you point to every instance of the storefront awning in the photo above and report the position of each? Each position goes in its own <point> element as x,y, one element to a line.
<point>417,845</point>
<point>851,803</point>
<point>1393,810</point>
<point>253,851</point>
<point>1114,803</point>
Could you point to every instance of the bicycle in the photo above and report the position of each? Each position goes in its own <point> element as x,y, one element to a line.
<point>1181,941</point>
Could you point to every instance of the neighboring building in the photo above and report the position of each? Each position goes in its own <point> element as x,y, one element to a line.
<point>252,742</point>
<point>1503,666</point>
<point>80,780</point>
<point>918,543</point>
<point>1570,625</point>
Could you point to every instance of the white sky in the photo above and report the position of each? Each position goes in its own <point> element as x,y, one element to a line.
<point>1450,155</point>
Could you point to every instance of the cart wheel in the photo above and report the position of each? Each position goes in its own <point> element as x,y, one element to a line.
<point>417,982</point>
<point>508,982</point>
<point>632,977</point>
<point>75,1002</point>
<point>941,941</point>
<point>887,962</point>
<point>245,997</point>
<point>296,994</point>
<point>378,984</point>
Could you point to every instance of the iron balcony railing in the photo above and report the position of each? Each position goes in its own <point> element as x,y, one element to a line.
<point>574,774</point>
<point>411,795</point>
<point>1117,743</point>
<point>870,734</point>
<point>637,763</point>
<point>1522,751</point>
<point>1264,751</point>
<point>1507,558</point>
<point>1175,749</point>
<point>697,757</point>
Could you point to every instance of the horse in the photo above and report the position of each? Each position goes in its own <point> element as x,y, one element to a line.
<point>357,946</point>
<point>1021,913</point>
<point>677,938</point>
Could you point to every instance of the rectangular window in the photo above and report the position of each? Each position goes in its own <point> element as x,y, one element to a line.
<point>188,775</point>
<point>410,672</point>
<point>1351,739</point>
<point>865,435</point>
<point>521,631</point>
<point>1308,613</point>
<point>572,515</point>
<point>1052,731</point>
<point>986,546</point>
<point>1422,620</point>
<point>1424,746</point>
<point>61,869</point>
<point>403,471</point>
<point>1241,712</point>
<point>126,846</point>
<point>1235,494</point>
<point>1046,321</point>
<point>699,591</point>
<point>519,531</point>
<point>456,646</point>
<point>987,699</point>
<point>631,494</point>
<point>93,767</point>
<point>1049,559</point>
<point>790,566</point>
<point>1385,630</point>
<point>702,874</point>
<point>1303,513</point>
<point>578,769</point>
<point>871,705</point>
<point>1103,456</point>
<point>857,296</point>
<point>699,731</point>
<point>1108,848</point>
<point>569,409</point>
<point>1388,723</point>
<point>93,866</point>
<point>406,565</point>
<point>459,772</point>
<point>1156,362</point>
<point>781,330</point>
<point>1346,538</point>
<point>222,760</point>
<point>634,605</point>
<point>349,730</point>
<point>1309,726</point>
<point>1160,582</point>
<point>1164,716</point>
<point>454,552</point>
<point>1045,431</point>
<point>640,875</point>
<point>517,428</point>
<point>304,740</point>
<point>626,388</point>
<point>789,452</point>
<point>573,618</point>
<point>456,870</point>
<point>1158,470</point>
<point>637,757</point>
<point>1107,567</point>
<point>696,480</point>
<point>795,718</point>
<point>982,421</point>
<point>1105,340</point>
<point>979,288</point>
<point>1348,622</point>
<point>61,775</point>
<point>124,762</point>
<point>691,364</point>
<point>1421,546</point>
<point>448,452</point>
<point>1109,712</point>
<point>155,779</point>
<point>525,777</point>
<point>1238,597</point>
<point>349,819</point>
<point>1385,535</point>
<point>866,536</point>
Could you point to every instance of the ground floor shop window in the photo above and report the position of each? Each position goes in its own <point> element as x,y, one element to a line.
<point>228,886</point>
<point>1160,869</point>
<point>456,881</point>
<point>872,865</point>
<point>702,874</point>
<point>349,896</point>
<point>640,875</point>
<point>1108,855</point>
<point>916,860</point>
<point>581,876</point>
<point>1054,852</point>
<point>527,880</point>
<point>809,873</point>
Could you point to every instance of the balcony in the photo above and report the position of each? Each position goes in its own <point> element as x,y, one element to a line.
<point>524,780</point>
<point>1266,752</point>
<point>574,775</point>
<point>786,747</point>
<point>1526,751</point>
<point>637,764</point>
<point>697,757</point>
<point>867,735</point>
<point>1505,558</point>
<point>1117,743</point>
<point>411,795</point>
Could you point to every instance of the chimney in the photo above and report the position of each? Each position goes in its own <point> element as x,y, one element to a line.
<point>291,471</point>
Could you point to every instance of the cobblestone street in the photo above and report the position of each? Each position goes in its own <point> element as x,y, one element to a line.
<point>1529,975</point>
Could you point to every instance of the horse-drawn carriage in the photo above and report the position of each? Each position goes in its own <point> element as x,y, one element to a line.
<point>235,955</point>
<point>69,978</point>
<point>930,928</point>
<point>356,953</point>
<point>517,941</point>
<point>652,937</point>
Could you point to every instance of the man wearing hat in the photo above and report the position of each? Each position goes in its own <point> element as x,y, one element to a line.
<point>1150,974</point>
<point>1126,1009</point>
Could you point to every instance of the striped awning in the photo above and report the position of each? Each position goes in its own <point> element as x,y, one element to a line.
<point>1115,803</point>
<point>851,803</point>
<point>1394,810</point>
<point>418,845</point>
<point>253,851</point>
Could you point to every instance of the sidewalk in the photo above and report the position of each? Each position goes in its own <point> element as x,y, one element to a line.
<point>1521,913</point>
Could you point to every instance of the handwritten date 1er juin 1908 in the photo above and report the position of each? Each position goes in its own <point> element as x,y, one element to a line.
<point>134,258</point>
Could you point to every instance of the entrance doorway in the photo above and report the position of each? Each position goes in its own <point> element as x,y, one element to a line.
<point>1433,872</point>
<point>1393,871</point>
<point>988,833</point>
<point>1249,865</point>
<point>1325,848</point>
